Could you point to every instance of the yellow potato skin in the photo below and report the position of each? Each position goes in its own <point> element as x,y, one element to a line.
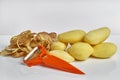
<point>72,36</point>
<point>58,46</point>
<point>62,55</point>
<point>97,36</point>
<point>80,50</point>
<point>104,50</point>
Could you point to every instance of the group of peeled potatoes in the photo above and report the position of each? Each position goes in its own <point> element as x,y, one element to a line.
<point>79,45</point>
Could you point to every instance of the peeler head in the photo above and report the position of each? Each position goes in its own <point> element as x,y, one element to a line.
<point>34,57</point>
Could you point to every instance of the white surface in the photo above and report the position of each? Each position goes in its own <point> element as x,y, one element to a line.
<point>95,69</point>
<point>59,16</point>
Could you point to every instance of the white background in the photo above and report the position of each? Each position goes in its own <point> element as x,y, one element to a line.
<point>58,15</point>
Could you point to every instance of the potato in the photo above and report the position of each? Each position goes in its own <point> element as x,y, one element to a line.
<point>62,55</point>
<point>58,46</point>
<point>80,50</point>
<point>104,50</point>
<point>97,36</point>
<point>71,36</point>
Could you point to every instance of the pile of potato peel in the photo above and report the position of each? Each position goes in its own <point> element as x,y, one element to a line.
<point>82,45</point>
<point>23,43</point>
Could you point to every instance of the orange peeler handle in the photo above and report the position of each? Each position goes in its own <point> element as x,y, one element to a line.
<point>33,62</point>
<point>50,61</point>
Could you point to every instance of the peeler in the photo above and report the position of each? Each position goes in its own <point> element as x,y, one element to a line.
<point>40,56</point>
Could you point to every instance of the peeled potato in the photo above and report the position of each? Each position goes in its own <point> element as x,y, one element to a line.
<point>97,36</point>
<point>58,46</point>
<point>80,50</point>
<point>104,50</point>
<point>62,55</point>
<point>71,36</point>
